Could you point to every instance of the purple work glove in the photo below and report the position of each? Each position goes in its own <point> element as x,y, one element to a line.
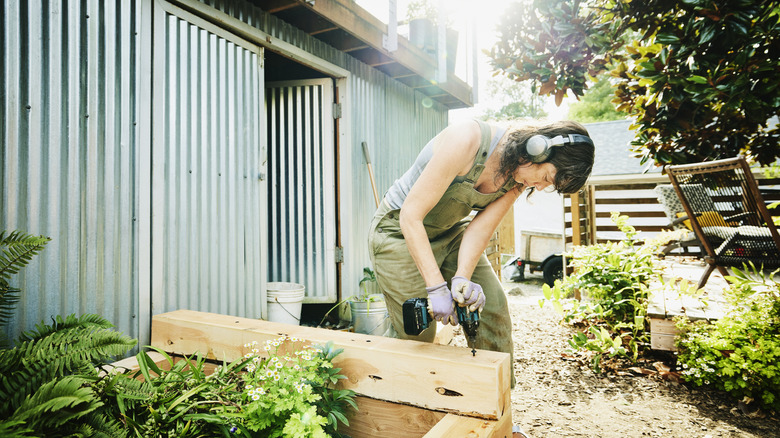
<point>468,293</point>
<point>440,304</point>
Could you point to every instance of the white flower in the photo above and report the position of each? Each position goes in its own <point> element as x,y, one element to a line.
<point>255,397</point>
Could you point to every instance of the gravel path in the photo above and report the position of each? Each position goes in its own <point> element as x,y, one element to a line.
<point>557,396</point>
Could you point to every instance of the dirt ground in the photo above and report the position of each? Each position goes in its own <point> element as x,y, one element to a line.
<point>558,396</point>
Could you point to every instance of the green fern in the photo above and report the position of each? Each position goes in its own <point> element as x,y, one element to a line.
<point>15,429</point>
<point>17,250</point>
<point>58,402</point>
<point>75,347</point>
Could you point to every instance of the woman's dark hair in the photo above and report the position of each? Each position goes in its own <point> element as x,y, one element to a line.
<point>573,161</point>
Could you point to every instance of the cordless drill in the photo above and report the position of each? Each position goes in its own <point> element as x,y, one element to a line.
<point>417,319</point>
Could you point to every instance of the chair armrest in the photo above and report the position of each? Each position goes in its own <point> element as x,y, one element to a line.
<point>679,220</point>
<point>740,217</point>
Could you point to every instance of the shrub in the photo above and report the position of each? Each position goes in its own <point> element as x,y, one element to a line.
<point>613,279</point>
<point>739,353</point>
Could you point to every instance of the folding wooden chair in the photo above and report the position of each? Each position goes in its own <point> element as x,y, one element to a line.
<point>727,213</point>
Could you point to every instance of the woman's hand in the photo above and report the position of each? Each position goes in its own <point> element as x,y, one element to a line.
<point>441,305</point>
<point>468,293</point>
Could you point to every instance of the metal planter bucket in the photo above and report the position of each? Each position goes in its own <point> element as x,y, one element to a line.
<point>370,317</point>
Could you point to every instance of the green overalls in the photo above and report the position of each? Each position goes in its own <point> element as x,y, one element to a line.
<point>397,273</point>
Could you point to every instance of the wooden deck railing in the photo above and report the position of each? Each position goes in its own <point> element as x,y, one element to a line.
<point>587,214</point>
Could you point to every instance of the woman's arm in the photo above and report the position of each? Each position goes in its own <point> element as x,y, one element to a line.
<point>453,154</point>
<point>478,232</point>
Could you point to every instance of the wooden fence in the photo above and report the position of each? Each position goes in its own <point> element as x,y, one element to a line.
<point>587,213</point>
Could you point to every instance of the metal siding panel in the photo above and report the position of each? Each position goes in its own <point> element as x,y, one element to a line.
<point>206,185</point>
<point>68,157</point>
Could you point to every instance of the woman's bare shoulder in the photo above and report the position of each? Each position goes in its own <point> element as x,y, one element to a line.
<point>461,136</point>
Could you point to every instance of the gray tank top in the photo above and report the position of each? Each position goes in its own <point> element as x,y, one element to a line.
<point>396,194</point>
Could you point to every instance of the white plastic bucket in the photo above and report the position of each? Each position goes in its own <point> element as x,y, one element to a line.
<point>284,302</point>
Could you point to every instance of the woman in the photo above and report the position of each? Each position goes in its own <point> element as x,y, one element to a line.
<point>422,241</point>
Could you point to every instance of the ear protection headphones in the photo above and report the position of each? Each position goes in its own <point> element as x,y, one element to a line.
<point>540,147</point>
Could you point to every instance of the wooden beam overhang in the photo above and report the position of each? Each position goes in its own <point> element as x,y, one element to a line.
<point>350,28</point>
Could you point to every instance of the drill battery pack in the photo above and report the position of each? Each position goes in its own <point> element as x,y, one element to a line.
<point>416,317</point>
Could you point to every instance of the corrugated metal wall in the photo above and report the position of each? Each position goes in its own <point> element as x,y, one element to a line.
<point>393,119</point>
<point>68,156</point>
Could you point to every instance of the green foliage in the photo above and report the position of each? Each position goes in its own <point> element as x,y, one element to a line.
<point>700,80</point>
<point>421,9</point>
<point>557,44</point>
<point>18,249</point>
<point>284,393</point>
<point>516,100</point>
<point>596,104</point>
<point>180,400</point>
<point>290,392</point>
<point>368,280</point>
<point>739,353</point>
<point>44,379</point>
<point>613,279</point>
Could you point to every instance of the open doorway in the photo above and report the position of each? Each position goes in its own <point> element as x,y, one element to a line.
<point>302,178</point>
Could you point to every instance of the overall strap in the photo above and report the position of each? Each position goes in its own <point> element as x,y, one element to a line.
<point>482,153</point>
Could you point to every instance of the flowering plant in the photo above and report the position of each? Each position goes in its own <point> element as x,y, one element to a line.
<point>740,352</point>
<point>290,392</point>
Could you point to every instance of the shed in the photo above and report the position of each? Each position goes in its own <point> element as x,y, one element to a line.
<point>182,153</point>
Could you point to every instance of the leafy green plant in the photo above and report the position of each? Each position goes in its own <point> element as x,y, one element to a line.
<point>739,353</point>
<point>613,279</point>
<point>180,399</point>
<point>290,393</point>
<point>18,249</point>
<point>686,71</point>
<point>285,389</point>
<point>45,379</point>
<point>369,292</point>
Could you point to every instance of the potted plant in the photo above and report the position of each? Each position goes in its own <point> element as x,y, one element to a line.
<point>368,309</point>
<point>423,20</point>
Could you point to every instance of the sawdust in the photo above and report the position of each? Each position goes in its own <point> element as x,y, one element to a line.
<point>557,395</point>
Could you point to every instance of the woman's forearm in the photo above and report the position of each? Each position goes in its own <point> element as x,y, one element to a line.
<point>420,249</point>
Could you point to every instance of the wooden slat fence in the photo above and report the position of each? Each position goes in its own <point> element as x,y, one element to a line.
<point>587,213</point>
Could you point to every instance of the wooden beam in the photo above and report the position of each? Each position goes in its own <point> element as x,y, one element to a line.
<point>426,375</point>
<point>379,418</point>
<point>458,426</point>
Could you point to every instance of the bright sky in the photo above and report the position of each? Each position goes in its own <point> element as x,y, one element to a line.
<point>485,14</point>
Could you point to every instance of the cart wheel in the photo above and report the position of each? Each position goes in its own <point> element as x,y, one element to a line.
<point>553,270</point>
